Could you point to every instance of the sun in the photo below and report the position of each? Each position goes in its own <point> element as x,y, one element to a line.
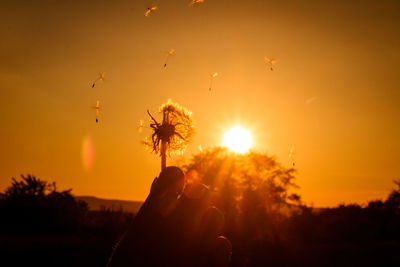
<point>238,139</point>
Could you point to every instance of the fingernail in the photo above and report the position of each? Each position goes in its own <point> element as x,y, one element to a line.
<point>195,191</point>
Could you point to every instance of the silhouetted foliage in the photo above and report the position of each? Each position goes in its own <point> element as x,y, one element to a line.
<point>28,188</point>
<point>265,221</point>
<point>253,190</point>
<point>35,206</point>
<point>268,224</point>
<point>393,201</point>
<point>36,218</point>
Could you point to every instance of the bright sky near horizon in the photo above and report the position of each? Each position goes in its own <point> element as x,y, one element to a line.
<point>334,93</point>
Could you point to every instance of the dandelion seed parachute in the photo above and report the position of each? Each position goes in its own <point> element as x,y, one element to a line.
<point>97,108</point>
<point>170,53</point>
<point>150,10</point>
<point>270,62</point>
<point>291,152</point>
<point>195,2</point>
<point>140,126</point>
<point>99,78</point>
<point>212,75</point>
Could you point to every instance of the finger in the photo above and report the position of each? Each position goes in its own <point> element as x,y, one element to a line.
<point>222,253</point>
<point>170,182</point>
<point>145,233</point>
<point>209,229</point>
<point>164,191</point>
<point>153,184</point>
<point>195,191</point>
<point>211,225</point>
<point>194,202</point>
<point>182,226</point>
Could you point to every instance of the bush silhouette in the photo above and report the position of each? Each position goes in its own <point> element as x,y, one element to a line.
<point>31,205</point>
<point>265,221</point>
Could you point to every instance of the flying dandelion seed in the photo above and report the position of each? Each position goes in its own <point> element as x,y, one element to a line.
<point>145,141</point>
<point>200,148</point>
<point>99,78</point>
<point>150,10</point>
<point>140,126</point>
<point>291,153</point>
<point>212,75</point>
<point>170,53</point>
<point>195,2</point>
<point>270,62</point>
<point>173,134</point>
<point>97,108</point>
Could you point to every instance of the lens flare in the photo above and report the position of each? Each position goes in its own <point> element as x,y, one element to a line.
<point>88,153</point>
<point>238,139</point>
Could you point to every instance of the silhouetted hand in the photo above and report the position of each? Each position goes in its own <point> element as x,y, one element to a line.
<point>176,226</point>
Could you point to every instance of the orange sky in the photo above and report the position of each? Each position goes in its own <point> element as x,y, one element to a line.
<point>334,95</point>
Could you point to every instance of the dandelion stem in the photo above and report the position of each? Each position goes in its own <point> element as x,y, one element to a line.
<point>163,153</point>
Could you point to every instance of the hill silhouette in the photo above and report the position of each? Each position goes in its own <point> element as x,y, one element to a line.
<point>262,216</point>
<point>95,203</point>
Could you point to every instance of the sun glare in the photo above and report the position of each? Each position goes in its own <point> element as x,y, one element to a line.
<point>238,139</point>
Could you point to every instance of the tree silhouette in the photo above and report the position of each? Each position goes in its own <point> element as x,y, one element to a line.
<point>244,173</point>
<point>29,187</point>
<point>266,223</point>
<point>393,200</point>
<point>33,205</point>
<point>253,190</point>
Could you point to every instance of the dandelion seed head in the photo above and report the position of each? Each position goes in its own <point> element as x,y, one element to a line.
<point>175,129</point>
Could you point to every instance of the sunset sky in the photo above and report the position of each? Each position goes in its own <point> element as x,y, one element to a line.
<point>334,94</point>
